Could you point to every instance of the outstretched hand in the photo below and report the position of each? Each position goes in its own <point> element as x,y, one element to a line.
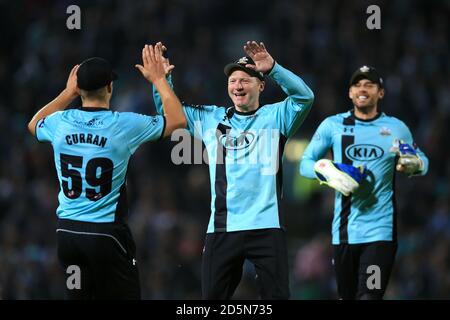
<point>258,52</point>
<point>152,67</point>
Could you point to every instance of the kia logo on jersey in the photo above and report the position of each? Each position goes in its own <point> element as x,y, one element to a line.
<point>236,143</point>
<point>364,152</point>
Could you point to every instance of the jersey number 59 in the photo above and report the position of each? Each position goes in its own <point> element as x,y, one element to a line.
<point>103,180</point>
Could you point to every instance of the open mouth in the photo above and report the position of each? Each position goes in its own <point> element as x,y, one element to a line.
<point>363,98</point>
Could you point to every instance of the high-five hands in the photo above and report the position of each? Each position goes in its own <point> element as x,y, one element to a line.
<point>152,67</point>
<point>167,66</point>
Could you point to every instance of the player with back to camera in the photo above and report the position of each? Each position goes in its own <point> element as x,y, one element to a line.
<point>92,146</point>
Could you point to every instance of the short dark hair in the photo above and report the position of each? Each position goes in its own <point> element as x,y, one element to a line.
<point>97,94</point>
<point>94,73</point>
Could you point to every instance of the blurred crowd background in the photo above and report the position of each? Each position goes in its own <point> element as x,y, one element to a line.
<point>323,41</point>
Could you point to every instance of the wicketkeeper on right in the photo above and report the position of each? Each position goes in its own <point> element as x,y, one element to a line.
<point>368,147</point>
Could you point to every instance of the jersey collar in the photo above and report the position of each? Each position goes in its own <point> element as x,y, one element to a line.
<point>245,113</point>
<point>93,109</point>
<point>379,114</point>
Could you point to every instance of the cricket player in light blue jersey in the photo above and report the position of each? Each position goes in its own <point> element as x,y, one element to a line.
<point>245,144</point>
<point>92,147</point>
<point>368,147</point>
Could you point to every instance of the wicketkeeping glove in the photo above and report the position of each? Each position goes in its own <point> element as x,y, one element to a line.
<point>408,157</point>
<point>344,178</point>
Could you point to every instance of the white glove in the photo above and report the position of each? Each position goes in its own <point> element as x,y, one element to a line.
<point>409,161</point>
<point>344,178</point>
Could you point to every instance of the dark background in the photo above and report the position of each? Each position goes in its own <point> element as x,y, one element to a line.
<point>322,41</point>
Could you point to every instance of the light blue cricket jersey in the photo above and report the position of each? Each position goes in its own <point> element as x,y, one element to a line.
<point>92,147</point>
<point>369,214</point>
<point>244,150</point>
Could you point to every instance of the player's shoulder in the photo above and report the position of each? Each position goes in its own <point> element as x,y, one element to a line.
<point>69,113</point>
<point>128,115</point>
<point>134,117</point>
<point>336,118</point>
<point>88,118</point>
<point>201,107</point>
<point>57,114</point>
<point>266,107</point>
<point>51,120</point>
<point>125,115</point>
<point>394,121</point>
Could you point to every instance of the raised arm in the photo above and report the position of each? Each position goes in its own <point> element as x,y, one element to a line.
<point>153,70</point>
<point>293,110</point>
<point>291,84</point>
<point>59,103</point>
<point>168,67</point>
<point>194,114</point>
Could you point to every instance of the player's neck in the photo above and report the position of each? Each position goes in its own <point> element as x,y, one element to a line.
<point>245,109</point>
<point>366,113</point>
<point>95,104</point>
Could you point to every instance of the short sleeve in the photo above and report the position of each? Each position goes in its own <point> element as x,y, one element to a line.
<point>47,126</point>
<point>194,118</point>
<point>141,128</point>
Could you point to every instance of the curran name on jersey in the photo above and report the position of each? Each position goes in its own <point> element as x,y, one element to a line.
<point>86,138</point>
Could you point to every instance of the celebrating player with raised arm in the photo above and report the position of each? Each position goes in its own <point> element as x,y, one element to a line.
<point>92,146</point>
<point>247,221</point>
<point>368,146</point>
